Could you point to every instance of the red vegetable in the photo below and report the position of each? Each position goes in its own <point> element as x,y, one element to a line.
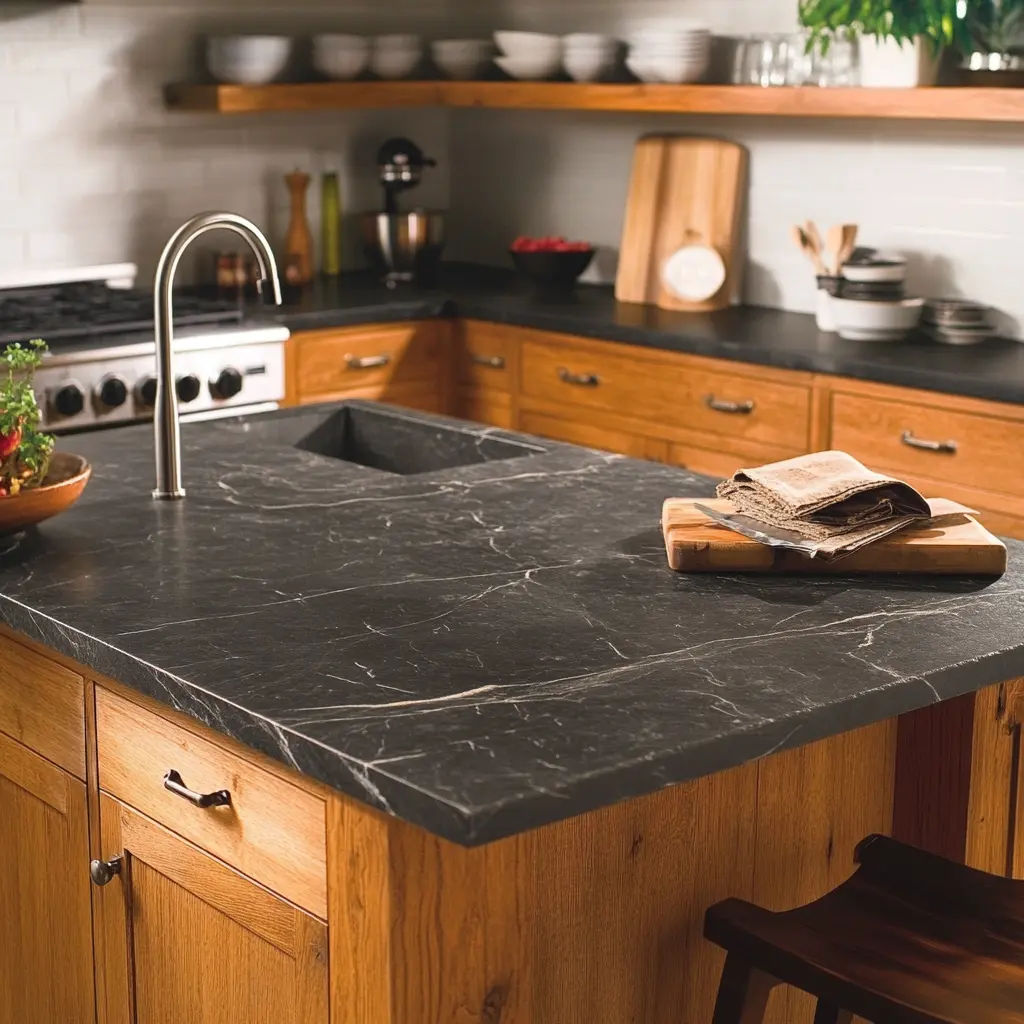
<point>9,443</point>
<point>549,244</point>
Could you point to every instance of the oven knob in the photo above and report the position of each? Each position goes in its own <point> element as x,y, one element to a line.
<point>188,387</point>
<point>227,385</point>
<point>145,392</point>
<point>69,400</point>
<point>112,392</point>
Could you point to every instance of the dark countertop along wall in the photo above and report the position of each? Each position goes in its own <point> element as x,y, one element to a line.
<point>477,649</point>
<point>765,337</point>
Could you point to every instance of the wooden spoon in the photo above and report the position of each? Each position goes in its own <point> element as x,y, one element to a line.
<point>812,248</point>
<point>850,232</point>
<point>834,247</point>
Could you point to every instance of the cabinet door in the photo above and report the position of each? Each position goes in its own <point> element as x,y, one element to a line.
<point>46,967</point>
<point>184,939</point>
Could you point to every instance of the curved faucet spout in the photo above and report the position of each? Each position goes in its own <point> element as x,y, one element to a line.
<point>165,420</point>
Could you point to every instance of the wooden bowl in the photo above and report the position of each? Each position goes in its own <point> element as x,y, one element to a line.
<point>62,487</point>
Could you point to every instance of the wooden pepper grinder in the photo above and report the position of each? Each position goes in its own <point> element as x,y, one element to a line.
<point>299,240</point>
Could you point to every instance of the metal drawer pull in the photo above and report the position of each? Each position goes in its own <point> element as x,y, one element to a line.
<point>945,447</point>
<point>102,871</point>
<point>737,408</point>
<point>492,362</point>
<point>583,380</point>
<point>173,783</point>
<point>366,362</point>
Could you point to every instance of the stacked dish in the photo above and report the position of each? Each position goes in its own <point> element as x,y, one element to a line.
<point>958,322</point>
<point>671,55</point>
<point>396,56</point>
<point>871,304</point>
<point>461,59</point>
<point>589,57</point>
<point>247,60</point>
<point>529,56</point>
<point>340,57</point>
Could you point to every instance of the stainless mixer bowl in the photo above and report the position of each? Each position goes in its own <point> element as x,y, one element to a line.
<point>405,246</point>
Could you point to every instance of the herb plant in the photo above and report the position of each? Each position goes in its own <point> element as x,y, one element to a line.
<point>24,451</point>
<point>996,26</point>
<point>942,22</point>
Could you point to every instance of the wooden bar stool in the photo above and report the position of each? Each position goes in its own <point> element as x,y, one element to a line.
<point>911,938</point>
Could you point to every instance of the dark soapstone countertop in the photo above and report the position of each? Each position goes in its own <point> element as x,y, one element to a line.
<point>766,337</point>
<point>476,649</point>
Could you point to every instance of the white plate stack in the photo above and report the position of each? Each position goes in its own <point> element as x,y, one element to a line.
<point>672,55</point>
<point>529,56</point>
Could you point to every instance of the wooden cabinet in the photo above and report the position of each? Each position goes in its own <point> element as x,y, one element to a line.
<point>46,963</point>
<point>183,937</point>
<point>591,435</point>
<point>486,358</point>
<point>406,364</point>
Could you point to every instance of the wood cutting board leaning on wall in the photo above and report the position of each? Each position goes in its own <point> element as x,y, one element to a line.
<point>684,192</point>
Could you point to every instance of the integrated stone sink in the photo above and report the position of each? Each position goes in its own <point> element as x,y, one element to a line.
<point>388,441</point>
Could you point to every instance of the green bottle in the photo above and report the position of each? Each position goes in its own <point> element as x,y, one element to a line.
<point>330,214</point>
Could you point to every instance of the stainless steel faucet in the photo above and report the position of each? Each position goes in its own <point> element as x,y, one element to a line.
<point>168,431</point>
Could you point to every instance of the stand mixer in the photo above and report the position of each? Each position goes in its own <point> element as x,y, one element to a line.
<point>405,247</point>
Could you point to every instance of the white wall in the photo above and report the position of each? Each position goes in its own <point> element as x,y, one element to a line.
<point>951,196</point>
<point>95,170</point>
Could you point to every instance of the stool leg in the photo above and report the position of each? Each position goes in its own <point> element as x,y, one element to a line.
<point>742,994</point>
<point>826,1013</point>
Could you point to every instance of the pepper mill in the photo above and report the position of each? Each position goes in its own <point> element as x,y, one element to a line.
<point>299,240</point>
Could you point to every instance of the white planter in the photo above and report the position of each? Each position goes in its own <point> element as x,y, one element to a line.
<point>885,64</point>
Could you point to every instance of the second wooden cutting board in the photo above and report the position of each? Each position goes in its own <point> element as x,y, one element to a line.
<point>683,191</point>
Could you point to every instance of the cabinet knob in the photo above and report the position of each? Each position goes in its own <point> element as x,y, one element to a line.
<point>102,871</point>
<point>174,783</point>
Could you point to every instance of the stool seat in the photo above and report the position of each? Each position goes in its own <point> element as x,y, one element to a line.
<point>910,937</point>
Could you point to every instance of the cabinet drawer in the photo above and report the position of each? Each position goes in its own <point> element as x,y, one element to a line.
<point>977,451</point>
<point>333,364</point>
<point>42,706</point>
<point>272,831</point>
<point>485,357</point>
<point>673,392</point>
<point>491,407</point>
<point>591,435</point>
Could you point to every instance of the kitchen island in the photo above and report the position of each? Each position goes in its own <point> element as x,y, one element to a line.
<point>487,758</point>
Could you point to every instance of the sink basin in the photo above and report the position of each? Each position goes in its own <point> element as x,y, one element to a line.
<point>403,444</point>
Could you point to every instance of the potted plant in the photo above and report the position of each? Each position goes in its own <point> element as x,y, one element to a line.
<point>24,451</point>
<point>996,31</point>
<point>901,41</point>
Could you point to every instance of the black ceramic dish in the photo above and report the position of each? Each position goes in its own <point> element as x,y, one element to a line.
<point>552,270</point>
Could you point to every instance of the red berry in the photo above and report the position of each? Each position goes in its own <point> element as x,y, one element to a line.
<point>9,443</point>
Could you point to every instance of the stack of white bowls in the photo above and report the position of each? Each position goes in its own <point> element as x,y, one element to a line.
<point>340,57</point>
<point>589,57</point>
<point>529,56</point>
<point>247,60</point>
<point>671,55</point>
<point>462,59</point>
<point>396,56</point>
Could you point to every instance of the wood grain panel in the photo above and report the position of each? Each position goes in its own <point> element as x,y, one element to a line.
<point>943,104</point>
<point>597,919</point>
<point>486,356</point>
<point>273,831</point>
<point>46,964</point>
<point>674,391</point>
<point>334,364</point>
<point>188,939</point>
<point>591,435</point>
<point>42,706</point>
<point>493,408</point>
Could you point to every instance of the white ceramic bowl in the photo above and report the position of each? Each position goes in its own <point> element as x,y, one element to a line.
<point>583,66</point>
<point>666,69</point>
<point>247,60</point>
<point>399,64</point>
<point>534,45</point>
<point>589,42</point>
<point>341,57</point>
<point>398,42</point>
<point>530,69</point>
<point>893,270</point>
<point>461,59</point>
<point>860,320</point>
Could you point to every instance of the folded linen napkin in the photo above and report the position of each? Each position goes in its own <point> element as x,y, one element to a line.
<point>826,504</point>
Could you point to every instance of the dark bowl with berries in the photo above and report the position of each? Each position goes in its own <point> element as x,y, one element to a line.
<point>551,264</point>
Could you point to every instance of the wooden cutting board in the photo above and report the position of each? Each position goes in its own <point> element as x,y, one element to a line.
<point>961,546</point>
<point>683,191</point>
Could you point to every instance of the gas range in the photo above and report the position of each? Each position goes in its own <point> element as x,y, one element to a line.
<point>100,370</point>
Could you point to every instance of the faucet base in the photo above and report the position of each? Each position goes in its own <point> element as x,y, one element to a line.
<point>177,495</point>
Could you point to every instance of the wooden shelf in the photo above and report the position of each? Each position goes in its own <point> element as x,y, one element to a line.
<point>939,104</point>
